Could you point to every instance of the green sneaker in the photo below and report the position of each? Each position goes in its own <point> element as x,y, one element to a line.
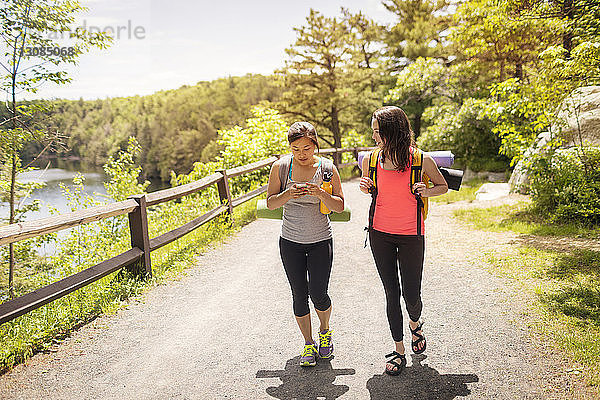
<point>308,358</point>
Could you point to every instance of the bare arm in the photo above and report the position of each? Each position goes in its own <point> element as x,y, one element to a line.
<point>276,199</point>
<point>439,183</point>
<point>365,182</point>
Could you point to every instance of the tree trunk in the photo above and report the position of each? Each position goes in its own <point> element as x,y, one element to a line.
<point>337,136</point>
<point>417,124</point>
<point>567,37</point>
<point>13,179</point>
<point>519,71</point>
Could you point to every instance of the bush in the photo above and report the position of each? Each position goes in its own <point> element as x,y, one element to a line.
<point>466,131</point>
<point>565,184</point>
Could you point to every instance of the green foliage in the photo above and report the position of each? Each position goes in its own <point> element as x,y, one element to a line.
<point>580,67</point>
<point>89,244</point>
<point>520,113</point>
<point>565,184</point>
<point>486,31</point>
<point>419,31</point>
<point>24,25</point>
<point>174,126</point>
<point>123,173</point>
<point>265,134</point>
<point>355,139</point>
<point>466,131</point>
<point>31,23</point>
<point>417,86</point>
<point>332,74</point>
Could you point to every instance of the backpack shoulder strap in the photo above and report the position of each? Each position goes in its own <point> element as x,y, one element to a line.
<point>284,170</point>
<point>416,168</point>
<point>416,175</point>
<point>373,158</point>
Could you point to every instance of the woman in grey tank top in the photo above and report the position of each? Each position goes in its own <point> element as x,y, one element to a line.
<point>306,245</point>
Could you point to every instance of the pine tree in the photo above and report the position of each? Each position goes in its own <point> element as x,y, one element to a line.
<point>331,72</point>
<point>420,31</point>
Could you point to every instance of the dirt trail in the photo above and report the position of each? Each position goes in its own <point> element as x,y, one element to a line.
<point>227,330</point>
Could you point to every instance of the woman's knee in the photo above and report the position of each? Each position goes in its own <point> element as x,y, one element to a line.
<point>414,309</point>
<point>301,307</point>
<point>322,302</point>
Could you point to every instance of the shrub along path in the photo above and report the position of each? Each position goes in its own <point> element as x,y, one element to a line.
<point>226,330</point>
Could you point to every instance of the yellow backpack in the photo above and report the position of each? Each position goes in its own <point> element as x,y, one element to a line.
<point>416,175</point>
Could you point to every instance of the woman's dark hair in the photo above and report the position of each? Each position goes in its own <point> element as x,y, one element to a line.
<point>396,134</point>
<point>301,129</point>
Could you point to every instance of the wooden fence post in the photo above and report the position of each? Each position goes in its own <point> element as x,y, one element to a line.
<point>225,193</point>
<point>138,227</point>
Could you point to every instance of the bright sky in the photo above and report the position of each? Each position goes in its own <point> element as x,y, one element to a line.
<point>185,41</point>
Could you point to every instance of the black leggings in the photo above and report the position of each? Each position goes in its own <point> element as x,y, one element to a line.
<point>314,258</point>
<point>407,251</point>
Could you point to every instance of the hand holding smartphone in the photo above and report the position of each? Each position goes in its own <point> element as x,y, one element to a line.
<point>299,190</point>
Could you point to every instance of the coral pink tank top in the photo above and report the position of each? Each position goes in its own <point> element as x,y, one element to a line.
<point>396,206</point>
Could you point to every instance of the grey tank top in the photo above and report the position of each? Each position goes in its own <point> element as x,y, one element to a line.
<point>302,218</point>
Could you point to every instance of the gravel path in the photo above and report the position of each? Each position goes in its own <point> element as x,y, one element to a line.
<point>226,330</point>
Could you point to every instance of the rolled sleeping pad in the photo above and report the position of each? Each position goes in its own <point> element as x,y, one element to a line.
<point>453,177</point>
<point>443,158</point>
<point>263,212</point>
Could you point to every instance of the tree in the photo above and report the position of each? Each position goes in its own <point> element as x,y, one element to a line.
<point>581,18</point>
<point>420,31</point>
<point>485,33</point>
<point>417,86</point>
<point>30,58</point>
<point>330,73</point>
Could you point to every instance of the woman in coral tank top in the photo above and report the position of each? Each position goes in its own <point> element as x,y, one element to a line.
<point>396,241</point>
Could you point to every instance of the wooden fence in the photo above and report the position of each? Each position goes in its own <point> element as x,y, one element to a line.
<point>137,259</point>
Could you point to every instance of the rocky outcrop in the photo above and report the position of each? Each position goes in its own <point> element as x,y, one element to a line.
<point>579,118</point>
<point>578,123</point>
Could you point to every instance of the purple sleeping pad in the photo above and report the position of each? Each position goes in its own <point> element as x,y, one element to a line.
<point>443,158</point>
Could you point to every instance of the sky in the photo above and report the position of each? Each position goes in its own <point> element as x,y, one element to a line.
<point>169,43</point>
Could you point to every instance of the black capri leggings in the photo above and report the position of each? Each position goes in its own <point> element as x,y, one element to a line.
<point>314,259</point>
<point>406,251</point>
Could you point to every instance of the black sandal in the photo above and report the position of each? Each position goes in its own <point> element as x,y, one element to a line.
<point>399,367</point>
<point>420,338</point>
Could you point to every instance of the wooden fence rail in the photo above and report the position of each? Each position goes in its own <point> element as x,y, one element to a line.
<point>137,259</point>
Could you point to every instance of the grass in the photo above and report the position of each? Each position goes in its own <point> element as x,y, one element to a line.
<point>518,218</point>
<point>564,285</point>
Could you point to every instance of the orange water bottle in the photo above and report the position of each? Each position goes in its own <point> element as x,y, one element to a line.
<point>326,186</point>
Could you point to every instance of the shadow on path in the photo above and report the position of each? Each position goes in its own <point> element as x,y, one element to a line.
<point>306,383</point>
<point>420,382</point>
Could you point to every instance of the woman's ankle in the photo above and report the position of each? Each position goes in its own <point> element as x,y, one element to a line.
<point>400,347</point>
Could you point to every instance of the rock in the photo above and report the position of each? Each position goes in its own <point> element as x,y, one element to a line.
<point>492,191</point>
<point>579,117</point>
<point>578,123</point>
<point>519,180</point>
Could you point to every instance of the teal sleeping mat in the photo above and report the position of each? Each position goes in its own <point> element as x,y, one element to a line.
<point>263,212</point>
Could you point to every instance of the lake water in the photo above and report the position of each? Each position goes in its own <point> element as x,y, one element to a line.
<point>51,194</point>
